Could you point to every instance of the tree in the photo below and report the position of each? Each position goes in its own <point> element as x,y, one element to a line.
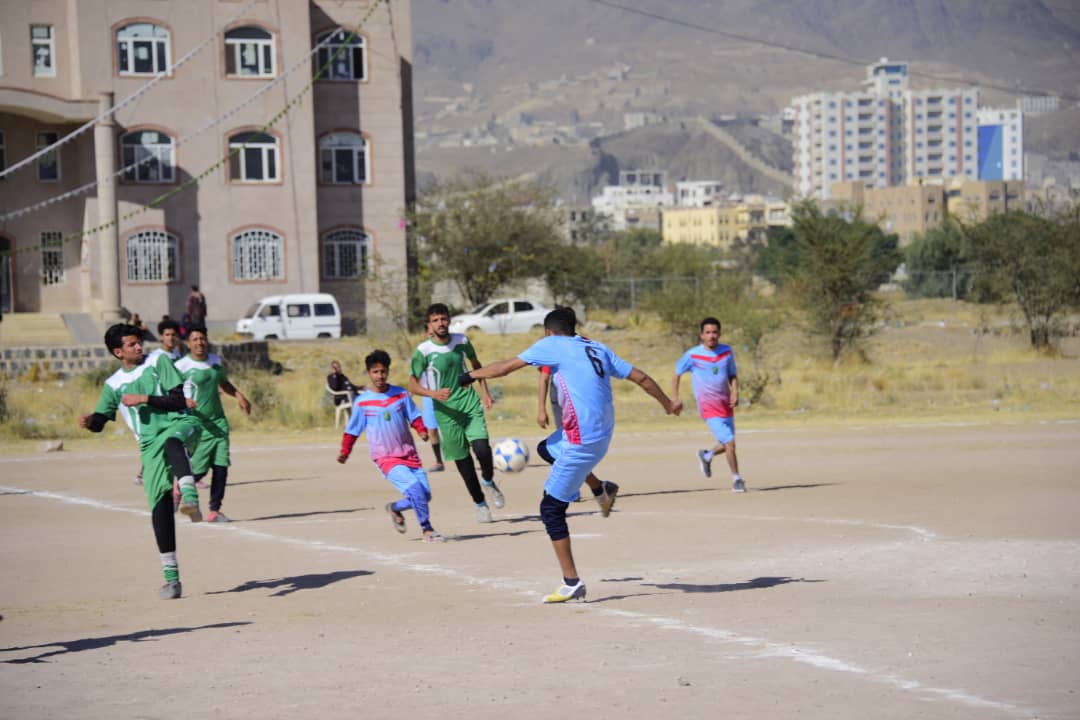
<point>1033,260</point>
<point>780,256</point>
<point>574,275</point>
<point>841,263</point>
<point>481,234</point>
<point>937,263</point>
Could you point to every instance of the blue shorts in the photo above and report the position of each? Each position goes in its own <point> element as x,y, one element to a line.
<point>723,429</point>
<point>555,442</point>
<point>404,476</point>
<point>427,412</point>
<point>572,466</point>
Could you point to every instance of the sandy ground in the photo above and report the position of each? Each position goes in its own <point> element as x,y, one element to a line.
<point>914,572</point>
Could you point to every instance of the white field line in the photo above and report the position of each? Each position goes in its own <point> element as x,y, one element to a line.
<point>754,646</point>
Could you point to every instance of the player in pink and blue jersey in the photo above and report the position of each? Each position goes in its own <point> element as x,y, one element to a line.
<point>582,370</point>
<point>386,412</point>
<point>716,389</point>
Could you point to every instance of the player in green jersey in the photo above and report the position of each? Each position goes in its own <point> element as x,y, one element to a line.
<point>151,397</point>
<point>203,374</point>
<point>435,367</point>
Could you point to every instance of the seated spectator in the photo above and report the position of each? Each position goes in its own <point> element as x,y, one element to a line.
<point>338,382</point>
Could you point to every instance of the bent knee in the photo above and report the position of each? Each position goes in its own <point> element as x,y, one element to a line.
<point>553,514</point>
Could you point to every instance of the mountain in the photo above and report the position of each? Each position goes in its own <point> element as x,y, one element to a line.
<point>505,80</point>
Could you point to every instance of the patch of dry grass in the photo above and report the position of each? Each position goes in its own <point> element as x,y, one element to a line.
<point>927,365</point>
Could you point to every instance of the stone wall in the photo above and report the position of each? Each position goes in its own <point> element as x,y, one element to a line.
<point>72,360</point>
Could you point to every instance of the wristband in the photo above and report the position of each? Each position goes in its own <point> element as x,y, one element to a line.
<point>465,379</point>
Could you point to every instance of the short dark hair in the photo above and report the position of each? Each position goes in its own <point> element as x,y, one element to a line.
<point>437,309</point>
<point>166,324</point>
<point>561,321</point>
<point>114,336</point>
<point>377,357</point>
<point>709,321</point>
<point>195,288</point>
<point>198,329</point>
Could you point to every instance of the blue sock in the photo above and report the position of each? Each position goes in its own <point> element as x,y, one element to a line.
<point>571,581</point>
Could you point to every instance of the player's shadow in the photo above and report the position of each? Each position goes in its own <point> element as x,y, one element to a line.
<point>17,492</point>
<point>770,488</point>
<point>666,492</point>
<point>758,583</point>
<point>481,536</point>
<point>288,516</point>
<point>536,518</point>
<point>96,643</point>
<point>270,480</point>
<point>292,584</point>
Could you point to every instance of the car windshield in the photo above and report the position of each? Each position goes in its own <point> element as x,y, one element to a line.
<point>479,309</point>
<point>252,310</point>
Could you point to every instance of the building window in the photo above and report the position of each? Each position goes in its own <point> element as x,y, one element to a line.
<point>43,50</point>
<point>258,255</point>
<point>48,165</point>
<point>151,155</point>
<point>345,254</point>
<point>52,257</point>
<point>253,157</point>
<point>344,159</point>
<point>249,52</point>
<point>152,256</point>
<point>347,57</point>
<point>142,49</point>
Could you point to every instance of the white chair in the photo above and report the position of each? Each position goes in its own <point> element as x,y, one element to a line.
<point>343,408</point>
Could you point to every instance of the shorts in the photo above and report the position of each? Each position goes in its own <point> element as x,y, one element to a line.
<point>555,442</point>
<point>457,428</point>
<point>157,474</point>
<point>427,412</point>
<point>404,477</point>
<point>572,466</point>
<point>723,428</point>
<point>213,450</point>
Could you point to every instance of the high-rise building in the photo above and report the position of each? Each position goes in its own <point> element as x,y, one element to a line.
<point>1001,144</point>
<point>234,171</point>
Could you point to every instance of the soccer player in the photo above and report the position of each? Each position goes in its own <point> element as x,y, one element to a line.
<point>203,374</point>
<point>550,447</point>
<point>434,370</point>
<point>585,369</point>
<point>151,397</point>
<point>716,389</point>
<point>386,412</point>
<point>169,336</point>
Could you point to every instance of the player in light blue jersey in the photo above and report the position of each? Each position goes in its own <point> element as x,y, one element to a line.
<point>387,412</point>
<point>583,370</point>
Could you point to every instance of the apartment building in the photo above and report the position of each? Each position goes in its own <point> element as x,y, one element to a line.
<point>942,134</point>
<point>724,224</point>
<point>1001,144</point>
<point>636,200</point>
<point>698,193</point>
<point>232,171</point>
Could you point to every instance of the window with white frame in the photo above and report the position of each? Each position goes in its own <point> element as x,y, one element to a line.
<point>258,254</point>
<point>52,257</point>
<point>142,49</point>
<point>43,50</point>
<point>253,157</point>
<point>48,165</point>
<point>152,256</point>
<point>249,52</point>
<point>147,156</point>
<point>343,58</point>
<point>345,254</point>
<point>344,159</point>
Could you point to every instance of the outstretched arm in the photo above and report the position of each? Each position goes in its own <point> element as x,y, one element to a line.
<point>649,385</point>
<point>485,396</point>
<point>494,370</point>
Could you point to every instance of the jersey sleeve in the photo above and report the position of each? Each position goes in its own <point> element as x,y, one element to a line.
<point>416,364</point>
<point>684,364</point>
<point>223,375</point>
<point>357,422</point>
<point>541,353</point>
<point>619,367</point>
<point>108,402</point>
<point>468,349</point>
<point>167,373</point>
<point>411,410</point>
<point>732,372</point>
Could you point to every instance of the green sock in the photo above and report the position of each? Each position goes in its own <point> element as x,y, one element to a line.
<point>188,493</point>
<point>169,567</point>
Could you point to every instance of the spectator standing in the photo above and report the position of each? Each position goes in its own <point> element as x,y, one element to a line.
<point>196,307</point>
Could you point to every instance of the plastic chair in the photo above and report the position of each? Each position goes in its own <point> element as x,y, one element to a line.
<point>345,408</point>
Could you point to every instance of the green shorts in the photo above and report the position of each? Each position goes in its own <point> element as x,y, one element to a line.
<point>157,474</point>
<point>457,428</point>
<point>213,450</point>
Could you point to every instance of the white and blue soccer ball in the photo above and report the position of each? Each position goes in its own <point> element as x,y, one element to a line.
<point>511,455</point>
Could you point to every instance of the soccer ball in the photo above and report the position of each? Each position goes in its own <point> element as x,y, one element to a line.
<point>511,455</point>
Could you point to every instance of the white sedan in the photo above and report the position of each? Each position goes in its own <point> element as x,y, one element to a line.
<point>513,315</point>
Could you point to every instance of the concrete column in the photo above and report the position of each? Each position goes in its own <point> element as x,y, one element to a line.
<point>108,237</point>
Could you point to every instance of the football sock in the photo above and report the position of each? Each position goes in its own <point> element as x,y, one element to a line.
<point>708,455</point>
<point>736,476</point>
<point>187,489</point>
<point>571,581</point>
<point>438,453</point>
<point>598,491</point>
<point>169,567</point>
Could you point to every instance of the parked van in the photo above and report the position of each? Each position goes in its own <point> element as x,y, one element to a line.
<point>292,317</point>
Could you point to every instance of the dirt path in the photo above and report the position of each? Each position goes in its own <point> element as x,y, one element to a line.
<point>920,572</point>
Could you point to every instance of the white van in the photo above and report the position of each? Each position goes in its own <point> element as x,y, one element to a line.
<point>292,317</point>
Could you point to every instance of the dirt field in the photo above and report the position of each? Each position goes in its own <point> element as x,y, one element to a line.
<point>912,572</point>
